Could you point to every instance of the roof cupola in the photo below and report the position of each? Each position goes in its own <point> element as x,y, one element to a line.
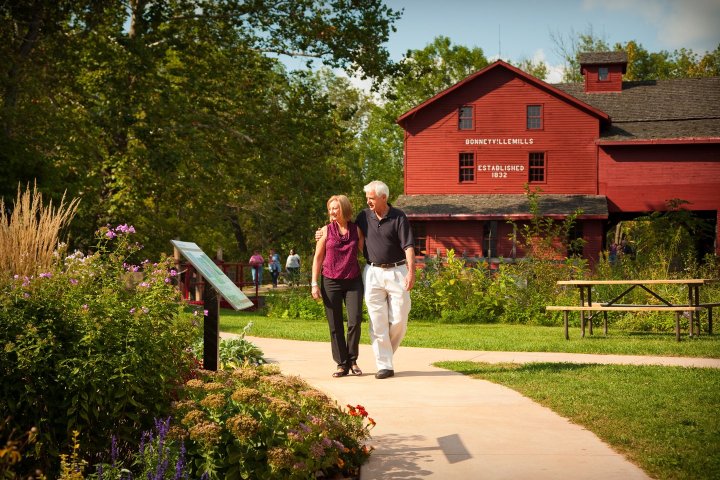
<point>603,71</point>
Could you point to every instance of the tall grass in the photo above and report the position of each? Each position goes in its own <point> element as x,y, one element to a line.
<point>29,232</point>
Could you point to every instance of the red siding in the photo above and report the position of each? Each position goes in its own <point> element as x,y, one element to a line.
<point>593,236</point>
<point>464,237</point>
<point>643,178</point>
<point>500,97</point>
<point>612,84</point>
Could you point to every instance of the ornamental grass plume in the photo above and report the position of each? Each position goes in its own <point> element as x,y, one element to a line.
<point>29,232</point>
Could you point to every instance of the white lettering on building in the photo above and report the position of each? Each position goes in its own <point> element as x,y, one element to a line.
<point>499,170</point>
<point>499,141</point>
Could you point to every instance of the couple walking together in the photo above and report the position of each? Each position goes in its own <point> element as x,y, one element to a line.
<point>382,232</point>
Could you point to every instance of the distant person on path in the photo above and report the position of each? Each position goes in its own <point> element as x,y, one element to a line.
<point>256,266</point>
<point>274,267</point>
<point>613,253</point>
<point>336,258</point>
<point>389,274</point>
<point>292,266</point>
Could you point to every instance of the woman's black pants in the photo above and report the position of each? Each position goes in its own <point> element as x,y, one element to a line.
<point>334,294</point>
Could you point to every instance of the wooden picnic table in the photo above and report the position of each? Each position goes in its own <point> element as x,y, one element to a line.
<point>693,307</point>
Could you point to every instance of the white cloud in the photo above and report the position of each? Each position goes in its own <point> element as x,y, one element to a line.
<point>689,23</point>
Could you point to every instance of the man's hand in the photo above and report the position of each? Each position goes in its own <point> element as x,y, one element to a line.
<point>410,279</point>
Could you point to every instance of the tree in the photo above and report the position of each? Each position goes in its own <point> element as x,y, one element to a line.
<point>642,64</point>
<point>171,114</point>
<point>422,74</point>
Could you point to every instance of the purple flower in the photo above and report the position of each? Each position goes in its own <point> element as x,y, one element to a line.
<point>73,281</point>
<point>124,228</point>
<point>144,284</point>
<point>173,272</point>
<point>132,310</point>
<point>46,275</point>
<point>26,295</point>
<point>85,307</point>
<point>167,280</point>
<point>180,465</point>
<point>110,234</point>
<point>114,450</point>
<point>16,276</point>
<point>205,312</point>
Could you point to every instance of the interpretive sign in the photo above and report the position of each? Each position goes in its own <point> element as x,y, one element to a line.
<point>212,274</point>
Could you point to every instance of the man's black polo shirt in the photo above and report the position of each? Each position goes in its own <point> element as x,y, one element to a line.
<point>385,239</point>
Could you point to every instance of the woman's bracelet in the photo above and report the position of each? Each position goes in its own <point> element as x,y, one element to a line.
<point>314,284</point>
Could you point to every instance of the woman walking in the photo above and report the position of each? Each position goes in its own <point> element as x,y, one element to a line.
<point>336,257</point>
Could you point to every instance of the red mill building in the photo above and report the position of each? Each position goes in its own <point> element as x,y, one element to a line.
<point>614,149</point>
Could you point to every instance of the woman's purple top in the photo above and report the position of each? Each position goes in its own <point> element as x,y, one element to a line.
<point>341,253</point>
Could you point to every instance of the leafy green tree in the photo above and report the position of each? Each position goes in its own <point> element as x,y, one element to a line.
<point>172,114</point>
<point>642,64</point>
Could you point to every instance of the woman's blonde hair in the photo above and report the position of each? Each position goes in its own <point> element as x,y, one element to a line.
<point>345,206</point>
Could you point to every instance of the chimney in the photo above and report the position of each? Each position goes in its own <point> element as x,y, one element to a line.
<point>603,71</point>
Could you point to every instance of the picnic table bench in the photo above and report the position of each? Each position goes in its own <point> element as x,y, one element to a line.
<point>585,288</point>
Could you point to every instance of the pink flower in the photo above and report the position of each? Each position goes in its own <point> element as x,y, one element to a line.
<point>110,234</point>
<point>73,281</point>
<point>45,275</point>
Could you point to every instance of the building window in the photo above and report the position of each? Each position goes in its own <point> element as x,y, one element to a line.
<point>467,167</point>
<point>534,117</point>
<point>420,238</point>
<point>536,170</point>
<point>490,239</point>
<point>603,75</point>
<point>465,118</point>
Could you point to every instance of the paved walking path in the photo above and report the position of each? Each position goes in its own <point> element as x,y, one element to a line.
<point>433,423</point>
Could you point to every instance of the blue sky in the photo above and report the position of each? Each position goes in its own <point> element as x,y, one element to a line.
<point>517,29</point>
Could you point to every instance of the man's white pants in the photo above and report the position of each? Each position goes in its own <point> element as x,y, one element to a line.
<point>388,305</point>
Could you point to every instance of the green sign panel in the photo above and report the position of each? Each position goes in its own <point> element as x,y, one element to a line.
<point>212,273</point>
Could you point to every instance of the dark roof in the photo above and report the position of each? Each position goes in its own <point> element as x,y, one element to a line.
<point>500,205</point>
<point>678,108</point>
<point>602,58</point>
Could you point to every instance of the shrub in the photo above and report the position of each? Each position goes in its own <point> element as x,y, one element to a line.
<point>234,352</point>
<point>255,423</point>
<point>294,302</point>
<point>93,344</point>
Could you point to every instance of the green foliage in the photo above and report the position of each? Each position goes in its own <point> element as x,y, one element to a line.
<point>95,344</point>
<point>158,457</point>
<point>256,423</point>
<point>12,448</point>
<point>234,352</point>
<point>294,302</point>
<point>133,106</point>
<point>454,292</point>
<point>642,64</point>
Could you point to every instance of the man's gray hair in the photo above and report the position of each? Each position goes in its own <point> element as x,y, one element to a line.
<point>378,187</point>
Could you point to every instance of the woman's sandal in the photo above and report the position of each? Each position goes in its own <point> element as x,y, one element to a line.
<point>355,369</point>
<point>340,372</point>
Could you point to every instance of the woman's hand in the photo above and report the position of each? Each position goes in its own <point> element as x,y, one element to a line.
<point>315,292</point>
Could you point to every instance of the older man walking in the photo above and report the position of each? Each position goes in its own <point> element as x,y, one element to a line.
<point>389,274</point>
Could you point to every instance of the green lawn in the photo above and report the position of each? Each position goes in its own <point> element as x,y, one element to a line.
<point>499,337</point>
<point>664,419</point>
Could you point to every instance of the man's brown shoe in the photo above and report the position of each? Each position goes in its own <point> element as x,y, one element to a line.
<point>384,374</point>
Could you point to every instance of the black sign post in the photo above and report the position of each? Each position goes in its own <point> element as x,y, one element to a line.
<point>217,284</point>
<point>211,328</point>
